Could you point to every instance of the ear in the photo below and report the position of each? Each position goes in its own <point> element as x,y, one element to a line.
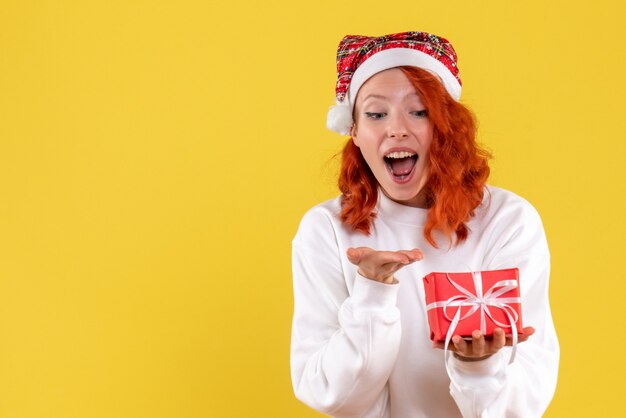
<point>354,135</point>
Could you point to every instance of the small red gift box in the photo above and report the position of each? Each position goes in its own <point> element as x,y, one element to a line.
<point>474,300</point>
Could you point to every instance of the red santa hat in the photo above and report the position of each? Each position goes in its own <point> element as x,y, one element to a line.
<point>360,57</point>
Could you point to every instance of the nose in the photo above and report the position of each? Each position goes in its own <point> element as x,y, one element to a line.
<point>398,133</point>
<point>397,128</point>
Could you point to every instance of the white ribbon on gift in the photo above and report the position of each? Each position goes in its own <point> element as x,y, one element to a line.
<point>482,302</point>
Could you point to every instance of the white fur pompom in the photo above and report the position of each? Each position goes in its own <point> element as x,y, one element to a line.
<point>339,118</point>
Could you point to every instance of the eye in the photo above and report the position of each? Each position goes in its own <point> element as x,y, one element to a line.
<point>375,115</point>
<point>420,113</point>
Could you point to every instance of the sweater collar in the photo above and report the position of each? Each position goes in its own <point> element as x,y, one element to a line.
<point>396,212</point>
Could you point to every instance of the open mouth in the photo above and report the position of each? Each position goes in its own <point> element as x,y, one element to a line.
<point>400,164</point>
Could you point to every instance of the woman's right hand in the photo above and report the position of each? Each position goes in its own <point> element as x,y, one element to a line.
<point>381,265</point>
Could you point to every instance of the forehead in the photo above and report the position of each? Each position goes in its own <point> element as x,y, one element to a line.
<point>389,84</point>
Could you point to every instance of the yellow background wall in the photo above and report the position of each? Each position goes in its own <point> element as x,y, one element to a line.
<point>156,157</point>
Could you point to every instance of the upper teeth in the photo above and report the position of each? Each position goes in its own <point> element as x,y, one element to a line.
<point>400,154</point>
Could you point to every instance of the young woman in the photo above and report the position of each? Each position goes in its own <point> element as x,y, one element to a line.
<point>414,200</point>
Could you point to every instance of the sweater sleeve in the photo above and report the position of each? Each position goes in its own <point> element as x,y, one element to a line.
<point>494,388</point>
<point>344,341</point>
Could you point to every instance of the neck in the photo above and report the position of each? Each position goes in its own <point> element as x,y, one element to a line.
<point>420,200</point>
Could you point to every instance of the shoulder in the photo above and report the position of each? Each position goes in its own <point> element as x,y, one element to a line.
<point>322,214</point>
<point>506,205</point>
<point>512,221</point>
<point>321,222</point>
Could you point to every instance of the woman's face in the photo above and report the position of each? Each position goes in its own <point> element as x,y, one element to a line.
<point>394,133</point>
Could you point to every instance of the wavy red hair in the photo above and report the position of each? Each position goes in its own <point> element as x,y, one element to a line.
<point>458,168</point>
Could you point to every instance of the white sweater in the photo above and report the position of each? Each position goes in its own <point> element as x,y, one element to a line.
<point>361,348</point>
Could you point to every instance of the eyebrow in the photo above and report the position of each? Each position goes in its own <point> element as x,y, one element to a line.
<point>380,96</point>
<point>374,96</point>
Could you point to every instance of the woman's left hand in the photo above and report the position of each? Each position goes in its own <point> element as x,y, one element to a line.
<point>481,347</point>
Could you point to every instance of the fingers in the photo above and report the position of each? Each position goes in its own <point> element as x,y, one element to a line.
<point>414,255</point>
<point>398,257</point>
<point>476,349</point>
<point>361,254</point>
<point>381,265</point>
<point>355,254</point>
<point>478,343</point>
<point>480,346</point>
<point>499,339</point>
<point>364,254</point>
<point>358,254</point>
<point>460,345</point>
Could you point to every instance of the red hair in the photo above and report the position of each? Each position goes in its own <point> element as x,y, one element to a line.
<point>458,168</point>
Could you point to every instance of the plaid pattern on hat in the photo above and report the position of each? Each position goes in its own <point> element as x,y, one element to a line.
<point>355,49</point>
